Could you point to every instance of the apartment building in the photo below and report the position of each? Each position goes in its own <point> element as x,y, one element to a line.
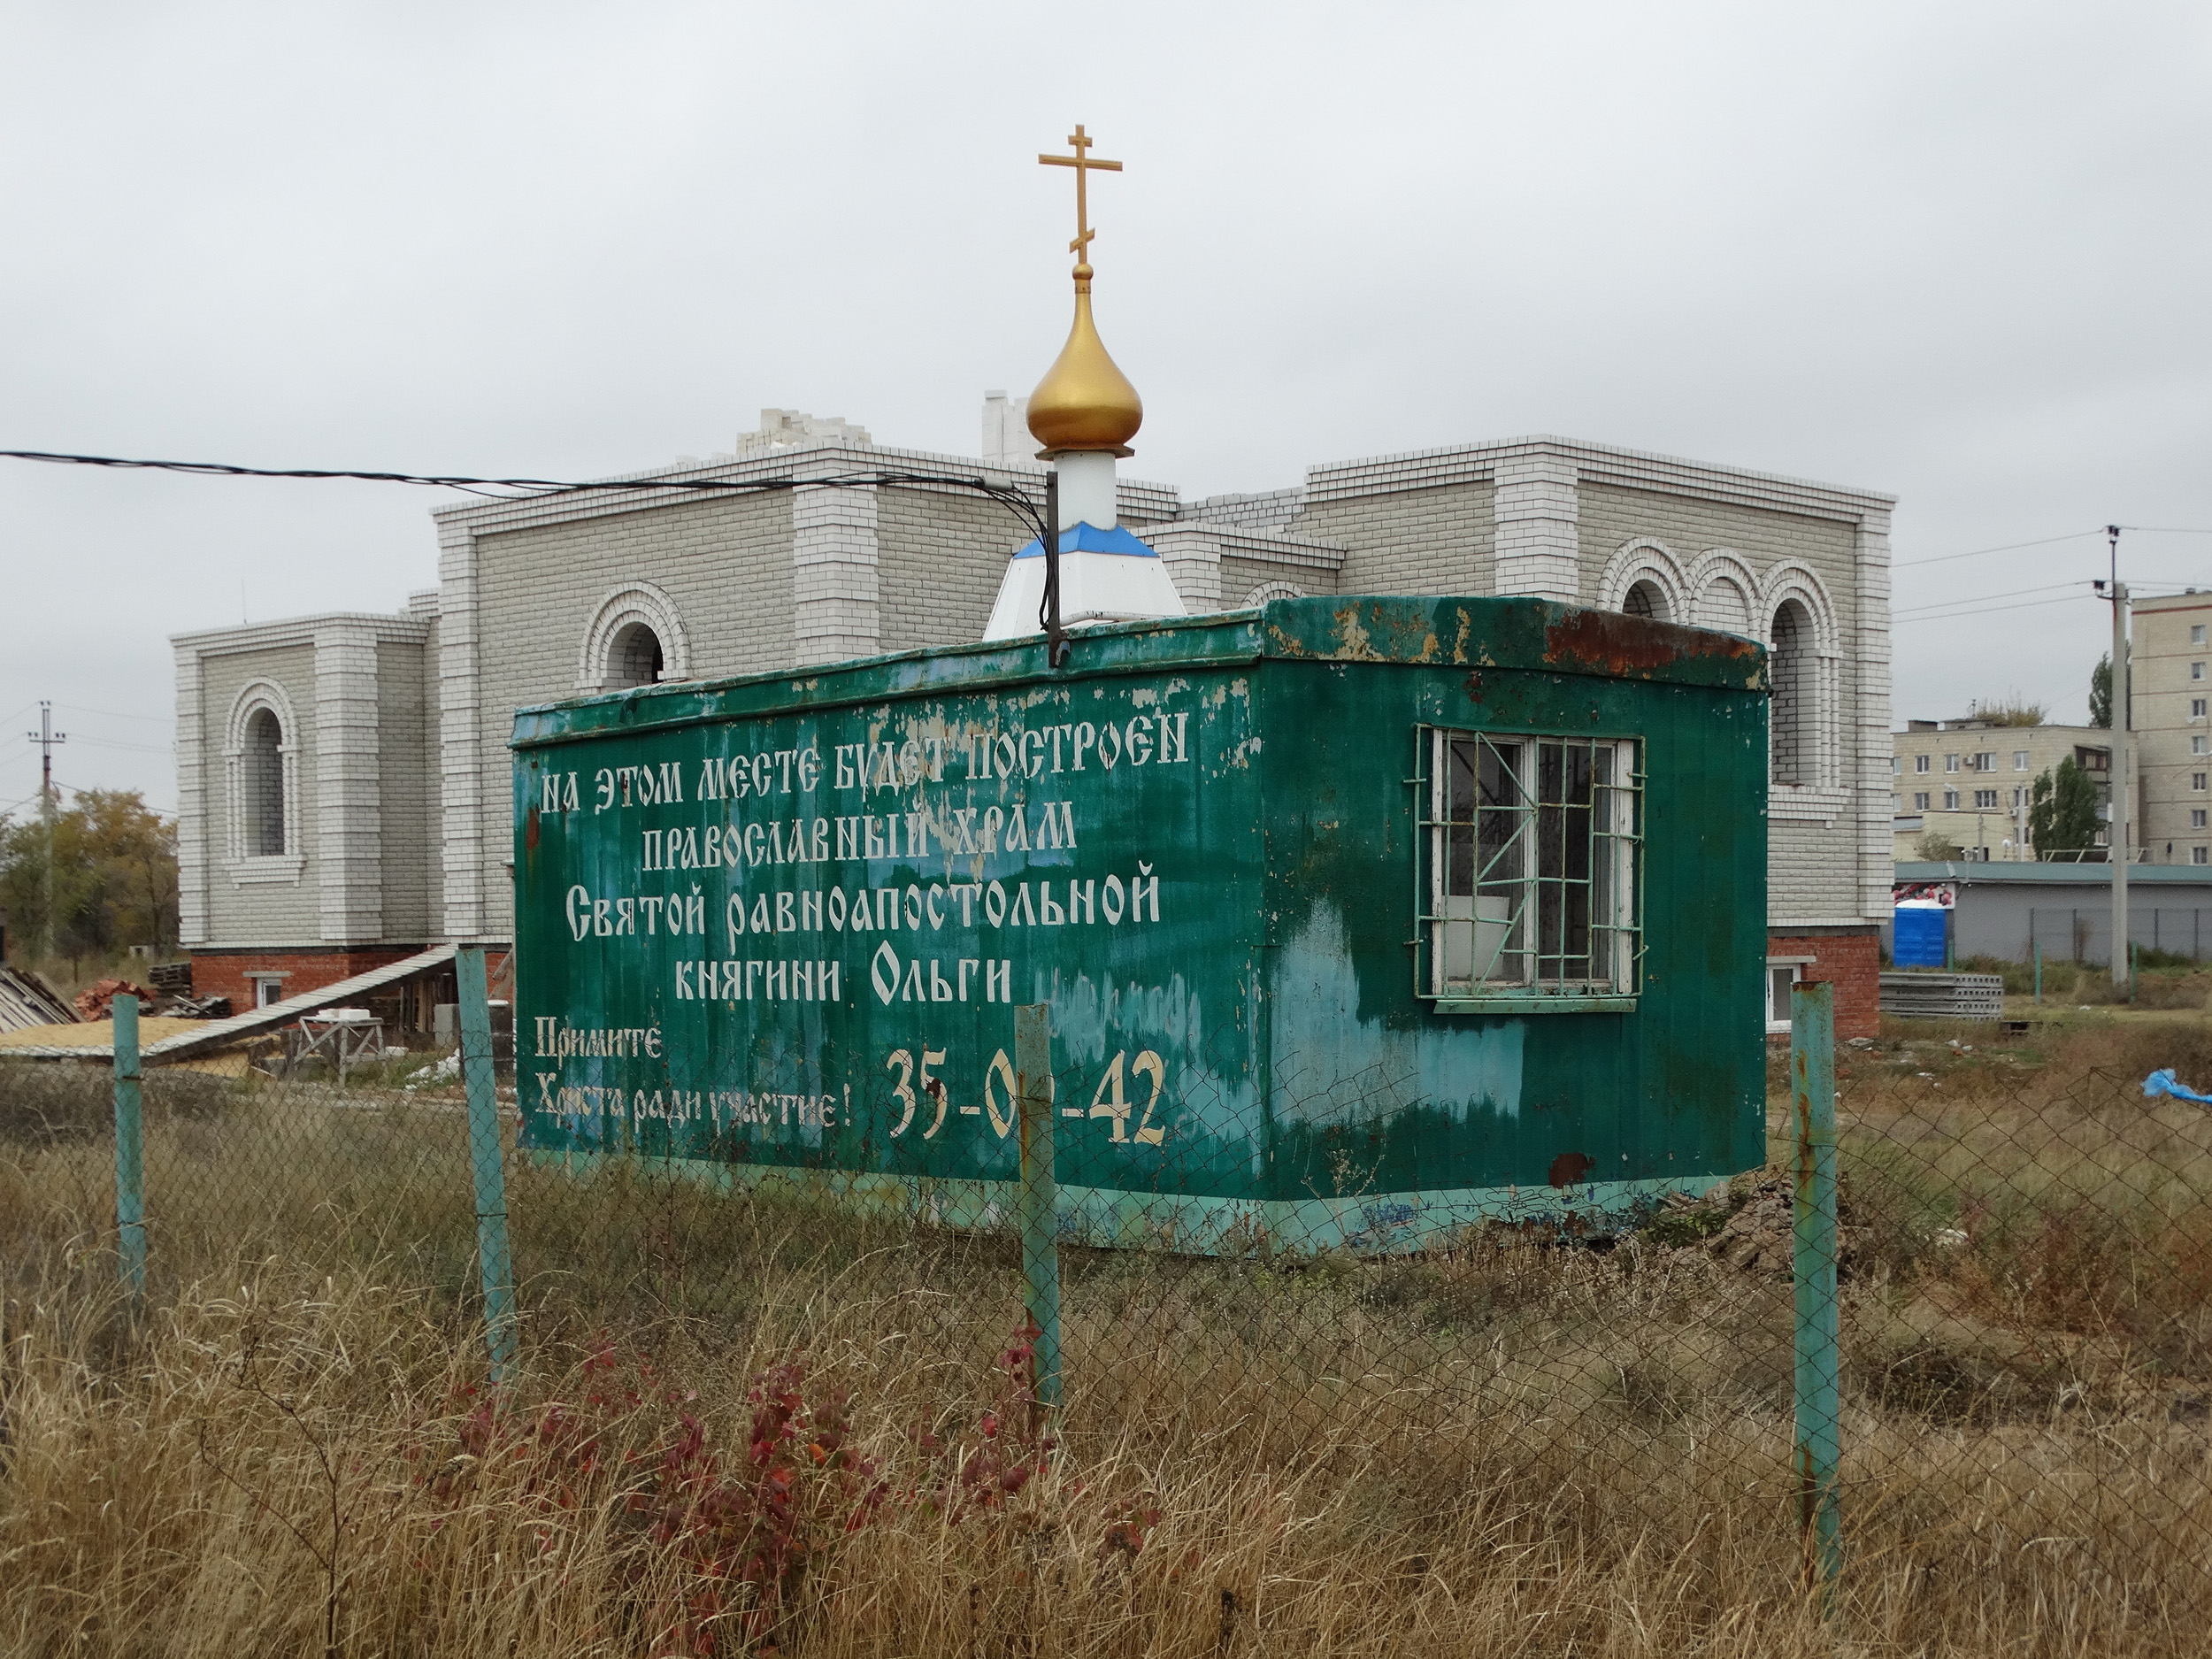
<point>1968,780</point>
<point>2167,653</point>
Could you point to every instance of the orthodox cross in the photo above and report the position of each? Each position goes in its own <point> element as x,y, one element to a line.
<point>1082,164</point>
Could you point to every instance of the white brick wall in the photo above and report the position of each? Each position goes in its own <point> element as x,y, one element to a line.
<point>835,587</point>
<point>944,556</point>
<point>192,823</point>
<point>764,582</point>
<point>725,563</point>
<point>348,821</point>
<point>1537,546</point>
<point>1435,539</point>
<point>407,759</point>
<point>261,912</point>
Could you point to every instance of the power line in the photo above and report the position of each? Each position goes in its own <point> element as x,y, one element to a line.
<point>111,714</point>
<point>1014,497</point>
<point>109,742</point>
<point>1937,604</point>
<point>2010,547</point>
<point>1980,601</point>
<point>1950,616</point>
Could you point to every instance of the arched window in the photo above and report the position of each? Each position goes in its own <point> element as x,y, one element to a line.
<point>1644,599</point>
<point>261,782</point>
<point>634,657</point>
<point>1644,578</point>
<point>1794,666</point>
<point>261,772</point>
<point>635,638</point>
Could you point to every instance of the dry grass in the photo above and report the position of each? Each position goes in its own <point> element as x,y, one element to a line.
<point>1507,1448</point>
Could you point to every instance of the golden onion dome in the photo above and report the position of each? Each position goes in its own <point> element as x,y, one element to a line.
<point>1085,401</point>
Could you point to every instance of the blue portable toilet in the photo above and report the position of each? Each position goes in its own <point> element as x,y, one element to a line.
<point>1917,934</point>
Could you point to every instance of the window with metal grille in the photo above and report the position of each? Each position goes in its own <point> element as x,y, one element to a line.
<point>1529,880</point>
<point>1984,798</point>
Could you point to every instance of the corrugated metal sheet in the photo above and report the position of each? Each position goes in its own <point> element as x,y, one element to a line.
<point>27,1000</point>
<point>184,1039</point>
<point>216,1033</point>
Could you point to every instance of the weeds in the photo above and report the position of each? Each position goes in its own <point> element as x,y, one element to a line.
<point>755,1424</point>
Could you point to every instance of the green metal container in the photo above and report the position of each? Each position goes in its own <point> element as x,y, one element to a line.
<point>1360,920</point>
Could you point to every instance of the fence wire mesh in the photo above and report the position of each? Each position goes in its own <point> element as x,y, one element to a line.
<point>751,1413</point>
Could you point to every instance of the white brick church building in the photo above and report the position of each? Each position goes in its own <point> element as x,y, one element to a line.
<point>343,781</point>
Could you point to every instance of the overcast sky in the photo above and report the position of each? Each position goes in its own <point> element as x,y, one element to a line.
<point>1957,253</point>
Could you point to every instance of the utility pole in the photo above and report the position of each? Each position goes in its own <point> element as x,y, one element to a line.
<point>2121,834</point>
<point>46,737</point>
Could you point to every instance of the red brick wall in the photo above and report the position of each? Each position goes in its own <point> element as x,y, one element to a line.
<point>1850,962</point>
<point>223,973</point>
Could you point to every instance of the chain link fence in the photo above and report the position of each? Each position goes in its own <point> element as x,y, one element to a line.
<point>741,1413</point>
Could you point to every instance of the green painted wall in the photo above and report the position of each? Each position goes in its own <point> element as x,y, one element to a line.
<point>1196,842</point>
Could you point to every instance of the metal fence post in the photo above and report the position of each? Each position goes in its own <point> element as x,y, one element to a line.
<point>2039,974</point>
<point>486,1161</point>
<point>130,1150</point>
<point>1813,1089</point>
<point>1039,1193</point>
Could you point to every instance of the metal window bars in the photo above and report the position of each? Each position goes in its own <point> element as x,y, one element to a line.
<point>1527,888</point>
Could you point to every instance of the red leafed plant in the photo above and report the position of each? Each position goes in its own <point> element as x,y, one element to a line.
<point>738,1533</point>
<point>1011,1446</point>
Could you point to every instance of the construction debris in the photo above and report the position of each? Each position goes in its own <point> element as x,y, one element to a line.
<point>27,1000</point>
<point>195,1008</point>
<point>92,1003</point>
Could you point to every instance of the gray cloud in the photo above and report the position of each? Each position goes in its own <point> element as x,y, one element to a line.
<point>1954,252</point>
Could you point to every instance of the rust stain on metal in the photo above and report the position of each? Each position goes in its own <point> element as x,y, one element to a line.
<point>1472,686</point>
<point>1617,644</point>
<point>1356,646</point>
<point>1570,1169</point>
<point>530,831</point>
<point>1802,1101</point>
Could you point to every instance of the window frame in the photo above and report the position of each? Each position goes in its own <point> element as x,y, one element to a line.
<point>1619,846</point>
<point>1778,1023</point>
<point>244,864</point>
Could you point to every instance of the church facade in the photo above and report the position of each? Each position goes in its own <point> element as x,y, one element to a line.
<point>343,779</point>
